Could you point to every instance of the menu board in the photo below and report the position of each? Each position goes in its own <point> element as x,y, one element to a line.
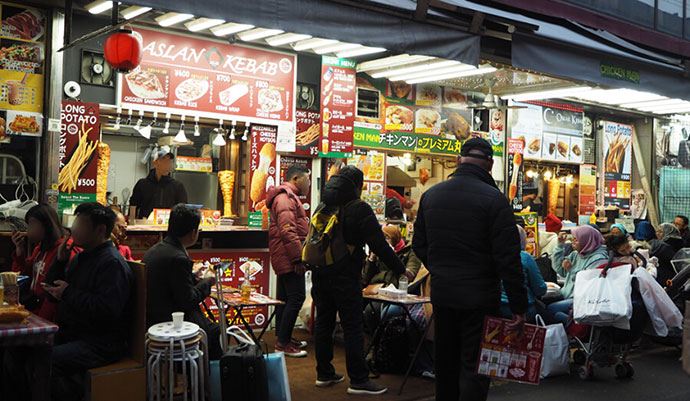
<point>216,79</point>
<point>338,82</point>
<point>587,202</point>
<point>77,152</point>
<point>617,153</point>
<point>255,263</point>
<point>531,221</point>
<point>288,161</point>
<point>373,165</point>
<point>308,129</point>
<point>516,148</point>
<point>22,63</point>
<point>262,166</point>
<point>510,354</point>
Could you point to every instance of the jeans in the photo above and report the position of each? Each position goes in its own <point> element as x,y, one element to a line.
<point>457,342</point>
<point>289,289</point>
<point>337,291</point>
<point>561,310</point>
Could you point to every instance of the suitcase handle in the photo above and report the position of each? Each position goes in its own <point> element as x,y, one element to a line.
<point>240,335</point>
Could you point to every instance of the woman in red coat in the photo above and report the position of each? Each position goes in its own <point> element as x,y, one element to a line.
<point>44,230</point>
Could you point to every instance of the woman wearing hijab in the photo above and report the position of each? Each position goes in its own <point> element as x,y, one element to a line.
<point>588,253</point>
<point>669,233</point>
<point>664,244</point>
<point>534,282</point>
<point>618,229</point>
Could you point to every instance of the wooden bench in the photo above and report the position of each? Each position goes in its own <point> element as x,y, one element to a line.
<point>125,380</point>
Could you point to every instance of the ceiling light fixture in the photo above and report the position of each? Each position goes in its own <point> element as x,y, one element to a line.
<point>200,24</point>
<point>232,131</point>
<point>197,132</point>
<point>651,103</point>
<point>181,137</point>
<point>547,94</point>
<point>169,19</point>
<point>98,6</point>
<point>426,66</point>
<point>618,96</point>
<point>286,38</point>
<point>258,33</point>
<point>246,131</point>
<point>312,43</point>
<point>166,127</point>
<point>134,11</point>
<point>440,71</point>
<point>145,131</point>
<point>460,74</point>
<point>116,127</point>
<point>219,140</point>
<point>336,47</point>
<point>389,62</point>
<point>230,28</point>
<point>360,52</point>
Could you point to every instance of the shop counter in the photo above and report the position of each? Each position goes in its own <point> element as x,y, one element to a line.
<point>142,237</point>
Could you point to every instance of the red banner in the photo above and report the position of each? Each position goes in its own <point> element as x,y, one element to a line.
<point>262,165</point>
<point>185,73</point>
<point>288,161</point>
<point>338,77</point>
<point>308,129</point>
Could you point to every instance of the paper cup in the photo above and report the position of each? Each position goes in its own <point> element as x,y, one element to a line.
<point>177,318</point>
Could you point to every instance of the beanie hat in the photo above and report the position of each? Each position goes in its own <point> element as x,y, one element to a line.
<point>354,175</point>
<point>553,223</point>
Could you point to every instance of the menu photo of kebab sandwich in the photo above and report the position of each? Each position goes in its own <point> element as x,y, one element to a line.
<point>27,24</point>
<point>145,84</point>
<point>192,89</point>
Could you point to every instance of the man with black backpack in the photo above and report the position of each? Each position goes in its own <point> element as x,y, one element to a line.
<point>336,284</point>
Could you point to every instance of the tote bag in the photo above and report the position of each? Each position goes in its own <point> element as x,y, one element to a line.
<point>602,298</point>
<point>556,359</point>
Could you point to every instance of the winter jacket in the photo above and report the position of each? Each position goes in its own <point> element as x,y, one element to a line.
<point>378,273</point>
<point>288,229</point>
<point>580,262</point>
<point>150,193</point>
<point>534,282</point>
<point>96,306</point>
<point>664,252</point>
<point>360,227</point>
<point>172,286</point>
<point>465,234</point>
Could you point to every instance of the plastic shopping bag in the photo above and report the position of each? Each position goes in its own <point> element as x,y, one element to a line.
<point>662,311</point>
<point>278,383</point>
<point>603,300</point>
<point>556,357</point>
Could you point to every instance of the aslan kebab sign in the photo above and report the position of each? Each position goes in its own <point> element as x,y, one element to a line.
<point>215,79</point>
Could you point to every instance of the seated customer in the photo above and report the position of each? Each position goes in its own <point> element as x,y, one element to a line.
<point>376,272</point>
<point>119,234</point>
<point>536,287</point>
<point>94,294</point>
<point>172,285</point>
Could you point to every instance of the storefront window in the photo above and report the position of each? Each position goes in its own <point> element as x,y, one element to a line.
<point>669,16</point>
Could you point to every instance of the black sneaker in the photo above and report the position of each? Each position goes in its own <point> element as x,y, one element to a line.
<point>366,388</point>
<point>329,381</point>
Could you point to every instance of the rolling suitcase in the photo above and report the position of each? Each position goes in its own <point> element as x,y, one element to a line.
<point>243,374</point>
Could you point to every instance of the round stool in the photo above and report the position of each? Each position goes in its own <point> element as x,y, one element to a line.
<point>187,348</point>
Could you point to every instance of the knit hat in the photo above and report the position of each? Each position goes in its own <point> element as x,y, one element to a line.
<point>352,174</point>
<point>477,144</point>
<point>553,223</point>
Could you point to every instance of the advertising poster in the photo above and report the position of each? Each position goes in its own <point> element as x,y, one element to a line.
<point>526,123</point>
<point>255,264</point>
<point>78,157</point>
<point>262,165</point>
<point>180,72</point>
<point>588,190</point>
<point>617,153</point>
<point>532,229</point>
<point>373,165</point>
<point>22,64</point>
<point>338,95</point>
<point>511,355</point>
<point>308,131</point>
<point>638,208</point>
<point>288,161</point>
<point>516,148</point>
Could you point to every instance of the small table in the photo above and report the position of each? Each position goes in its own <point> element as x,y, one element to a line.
<point>234,300</point>
<point>405,303</point>
<point>37,333</point>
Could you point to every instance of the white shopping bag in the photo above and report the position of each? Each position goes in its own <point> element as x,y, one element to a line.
<point>662,311</point>
<point>556,357</point>
<point>603,300</point>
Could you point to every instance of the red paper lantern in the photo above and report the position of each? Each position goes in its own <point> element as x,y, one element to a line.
<point>122,50</point>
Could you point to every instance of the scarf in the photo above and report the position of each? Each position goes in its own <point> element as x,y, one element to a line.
<point>620,227</point>
<point>589,238</point>
<point>669,231</point>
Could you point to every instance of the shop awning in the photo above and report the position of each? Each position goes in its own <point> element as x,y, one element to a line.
<point>326,19</point>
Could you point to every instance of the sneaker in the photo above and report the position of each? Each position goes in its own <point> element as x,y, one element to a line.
<point>329,381</point>
<point>298,344</point>
<point>291,351</point>
<point>366,388</point>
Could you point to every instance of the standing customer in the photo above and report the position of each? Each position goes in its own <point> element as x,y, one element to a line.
<point>288,229</point>
<point>94,294</point>
<point>337,288</point>
<point>465,234</point>
<point>172,285</point>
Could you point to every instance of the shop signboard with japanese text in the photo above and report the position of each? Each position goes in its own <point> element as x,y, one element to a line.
<point>78,156</point>
<point>617,156</point>
<point>338,81</point>
<point>262,165</point>
<point>288,161</point>
<point>211,78</point>
<point>516,148</point>
<point>308,132</point>
<point>22,69</point>
<point>588,190</point>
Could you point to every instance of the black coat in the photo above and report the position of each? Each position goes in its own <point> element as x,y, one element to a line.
<point>96,305</point>
<point>360,226</point>
<point>465,234</point>
<point>172,286</point>
<point>149,194</point>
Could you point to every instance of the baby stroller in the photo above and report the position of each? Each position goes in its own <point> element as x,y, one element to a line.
<point>609,346</point>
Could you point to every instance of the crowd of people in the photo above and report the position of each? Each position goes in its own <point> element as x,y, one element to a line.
<point>471,260</point>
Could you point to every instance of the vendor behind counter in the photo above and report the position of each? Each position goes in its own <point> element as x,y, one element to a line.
<point>158,190</point>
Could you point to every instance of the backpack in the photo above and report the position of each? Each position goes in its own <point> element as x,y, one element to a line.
<point>391,354</point>
<point>547,272</point>
<point>325,243</point>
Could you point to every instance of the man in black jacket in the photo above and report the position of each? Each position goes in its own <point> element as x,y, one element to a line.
<point>158,190</point>
<point>93,291</point>
<point>172,285</point>
<point>337,288</point>
<point>466,236</point>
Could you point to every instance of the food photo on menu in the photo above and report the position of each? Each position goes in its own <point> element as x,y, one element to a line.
<point>22,23</point>
<point>145,84</point>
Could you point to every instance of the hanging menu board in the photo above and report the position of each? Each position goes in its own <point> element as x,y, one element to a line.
<point>216,79</point>
<point>373,165</point>
<point>22,56</point>
<point>338,81</point>
<point>617,152</point>
<point>308,131</point>
<point>588,190</point>
<point>516,148</point>
<point>262,166</point>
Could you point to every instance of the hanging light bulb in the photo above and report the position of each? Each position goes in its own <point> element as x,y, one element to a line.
<point>137,127</point>
<point>129,117</point>
<point>116,127</point>
<point>181,137</point>
<point>547,175</point>
<point>232,133</point>
<point>246,131</point>
<point>166,127</point>
<point>219,140</point>
<point>196,126</point>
